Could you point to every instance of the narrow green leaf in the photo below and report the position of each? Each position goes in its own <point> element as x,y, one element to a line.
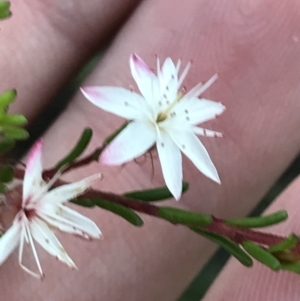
<point>6,174</point>
<point>120,210</point>
<point>6,145</point>
<point>14,120</point>
<point>7,97</point>
<point>228,245</point>
<point>15,133</point>
<point>2,188</point>
<point>153,195</point>
<point>79,148</point>
<point>4,9</point>
<point>286,244</point>
<point>261,255</point>
<point>110,138</point>
<point>83,203</point>
<point>260,221</point>
<point>291,266</point>
<point>189,218</point>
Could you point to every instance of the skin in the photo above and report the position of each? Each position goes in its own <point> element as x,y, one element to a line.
<point>252,45</point>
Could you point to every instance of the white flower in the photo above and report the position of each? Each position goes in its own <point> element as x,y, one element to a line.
<point>41,210</point>
<point>163,115</point>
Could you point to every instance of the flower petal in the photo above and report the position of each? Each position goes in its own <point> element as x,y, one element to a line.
<point>195,111</point>
<point>83,223</point>
<point>168,86</point>
<point>171,164</point>
<point>132,142</point>
<point>119,101</point>
<point>33,182</point>
<point>67,192</point>
<point>192,147</point>
<point>145,79</point>
<point>9,241</point>
<point>45,237</point>
<point>70,221</point>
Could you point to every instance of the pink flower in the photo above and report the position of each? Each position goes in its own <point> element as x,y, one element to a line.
<point>161,115</point>
<point>42,210</point>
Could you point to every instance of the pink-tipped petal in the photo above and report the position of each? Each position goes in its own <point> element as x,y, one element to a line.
<point>119,101</point>
<point>132,142</point>
<point>33,181</point>
<point>171,164</point>
<point>192,147</point>
<point>145,79</point>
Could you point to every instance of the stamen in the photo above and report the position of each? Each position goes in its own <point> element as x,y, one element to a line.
<point>178,65</point>
<point>28,234</point>
<point>199,89</point>
<point>184,73</point>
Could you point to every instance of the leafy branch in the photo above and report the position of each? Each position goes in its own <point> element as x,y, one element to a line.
<point>237,236</point>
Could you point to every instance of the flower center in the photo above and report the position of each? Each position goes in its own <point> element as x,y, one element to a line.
<point>164,114</point>
<point>29,213</point>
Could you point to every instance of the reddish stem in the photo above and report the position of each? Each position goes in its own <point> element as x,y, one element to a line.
<point>218,226</point>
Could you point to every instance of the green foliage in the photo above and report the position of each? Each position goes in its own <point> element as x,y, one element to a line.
<point>13,132</point>
<point>118,209</point>
<point>259,221</point>
<point>2,187</point>
<point>228,245</point>
<point>6,98</point>
<point>6,174</point>
<point>4,10</point>
<point>291,266</point>
<point>78,149</point>
<point>262,255</point>
<point>155,194</point>
<point>178,216</point>
<point>6,145</point>
<point>287,244</point>
<point>11,125</point>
